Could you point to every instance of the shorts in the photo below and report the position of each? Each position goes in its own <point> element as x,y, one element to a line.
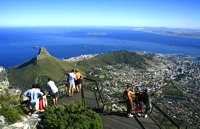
<point>70,86</point>
<point>55,95</point>
<point>78,81</point>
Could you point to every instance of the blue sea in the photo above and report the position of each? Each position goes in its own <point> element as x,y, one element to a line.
<point>16,44</point>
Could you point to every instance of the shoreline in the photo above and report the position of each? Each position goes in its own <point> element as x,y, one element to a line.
<point>164,34</point>
<point>79,58</point>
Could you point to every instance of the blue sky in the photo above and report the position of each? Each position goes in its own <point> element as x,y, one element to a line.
<point>153,13</point>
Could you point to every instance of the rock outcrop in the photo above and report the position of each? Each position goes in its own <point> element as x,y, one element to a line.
<point>4,83</point>
<point>43,53</point>
<point>28,122</point>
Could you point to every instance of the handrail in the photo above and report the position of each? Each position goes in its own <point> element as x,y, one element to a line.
<point>122,101</point>
<point>92,80</point>
<point>161,111</point>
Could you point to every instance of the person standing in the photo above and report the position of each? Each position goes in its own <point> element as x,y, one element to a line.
<point>129,100</point>
<point>146,98</point>
<point>138,103</point>
<point>71,82</point>
<point>53,90</point>
<point>78,81</point>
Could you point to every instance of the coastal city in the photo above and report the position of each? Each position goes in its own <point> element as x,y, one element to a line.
<point>173,80</point>
<point>100,64</point>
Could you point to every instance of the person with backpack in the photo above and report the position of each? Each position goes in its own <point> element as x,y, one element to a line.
<point>129,101</point>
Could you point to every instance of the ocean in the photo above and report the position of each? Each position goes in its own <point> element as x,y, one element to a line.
<point>19,45</point>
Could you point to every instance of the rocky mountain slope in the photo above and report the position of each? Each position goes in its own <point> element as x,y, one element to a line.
<point>38,69</point>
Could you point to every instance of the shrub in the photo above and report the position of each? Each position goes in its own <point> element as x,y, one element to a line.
<point>9,107</point>
<point>11,114</point>
<point>71,116</point>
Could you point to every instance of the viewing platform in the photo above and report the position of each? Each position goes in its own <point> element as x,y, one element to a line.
<point>91,97</point>
<point>113,120</point>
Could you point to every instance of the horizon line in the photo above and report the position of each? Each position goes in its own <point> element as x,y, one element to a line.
<point>53,26</point>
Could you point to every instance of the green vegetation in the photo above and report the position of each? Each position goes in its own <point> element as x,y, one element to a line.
<point>170,90</point>
<point>37,71</point>
<point>9,107</point>
<point>113,58</point>
<point>71,116</point>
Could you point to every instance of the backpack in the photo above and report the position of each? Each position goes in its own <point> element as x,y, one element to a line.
<point>124,95</point>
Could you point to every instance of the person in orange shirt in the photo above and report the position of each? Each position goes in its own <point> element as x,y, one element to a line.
<point>129,100</point>
<point>78,81</point>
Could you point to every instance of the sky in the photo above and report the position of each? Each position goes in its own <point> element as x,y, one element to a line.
<point>152,13</point>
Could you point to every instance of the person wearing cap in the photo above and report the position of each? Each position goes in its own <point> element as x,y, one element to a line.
<point>78,81</point>
<point>129,100</point>
<point>146,98</point>
<point>138,103</point>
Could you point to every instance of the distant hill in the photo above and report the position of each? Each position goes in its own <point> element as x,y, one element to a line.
<point>37,70</point>
<point>193,33</point>
<point>116,57</point>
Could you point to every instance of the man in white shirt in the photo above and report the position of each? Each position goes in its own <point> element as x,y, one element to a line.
<point>33,94</point>
<point>71,82</point>
<point>54,91</point>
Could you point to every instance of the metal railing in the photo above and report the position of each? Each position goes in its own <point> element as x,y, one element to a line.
<point>157,115</point>
<point>162,119</point>
<point>94,87</point>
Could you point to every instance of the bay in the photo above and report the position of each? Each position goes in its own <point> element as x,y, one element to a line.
<point>16,44</point>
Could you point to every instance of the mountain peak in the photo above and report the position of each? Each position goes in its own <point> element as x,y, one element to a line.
<point>43,53</point>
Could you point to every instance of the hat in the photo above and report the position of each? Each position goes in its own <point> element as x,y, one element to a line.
<point>146,89</point>
<point>138,88</point>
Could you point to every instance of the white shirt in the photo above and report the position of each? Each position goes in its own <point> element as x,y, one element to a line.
<point>52,86</point>
<point>71,78</point>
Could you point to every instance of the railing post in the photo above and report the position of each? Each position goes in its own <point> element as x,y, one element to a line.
<point>96,98</point>
<point>82,95</point>
<point>99,92</point>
